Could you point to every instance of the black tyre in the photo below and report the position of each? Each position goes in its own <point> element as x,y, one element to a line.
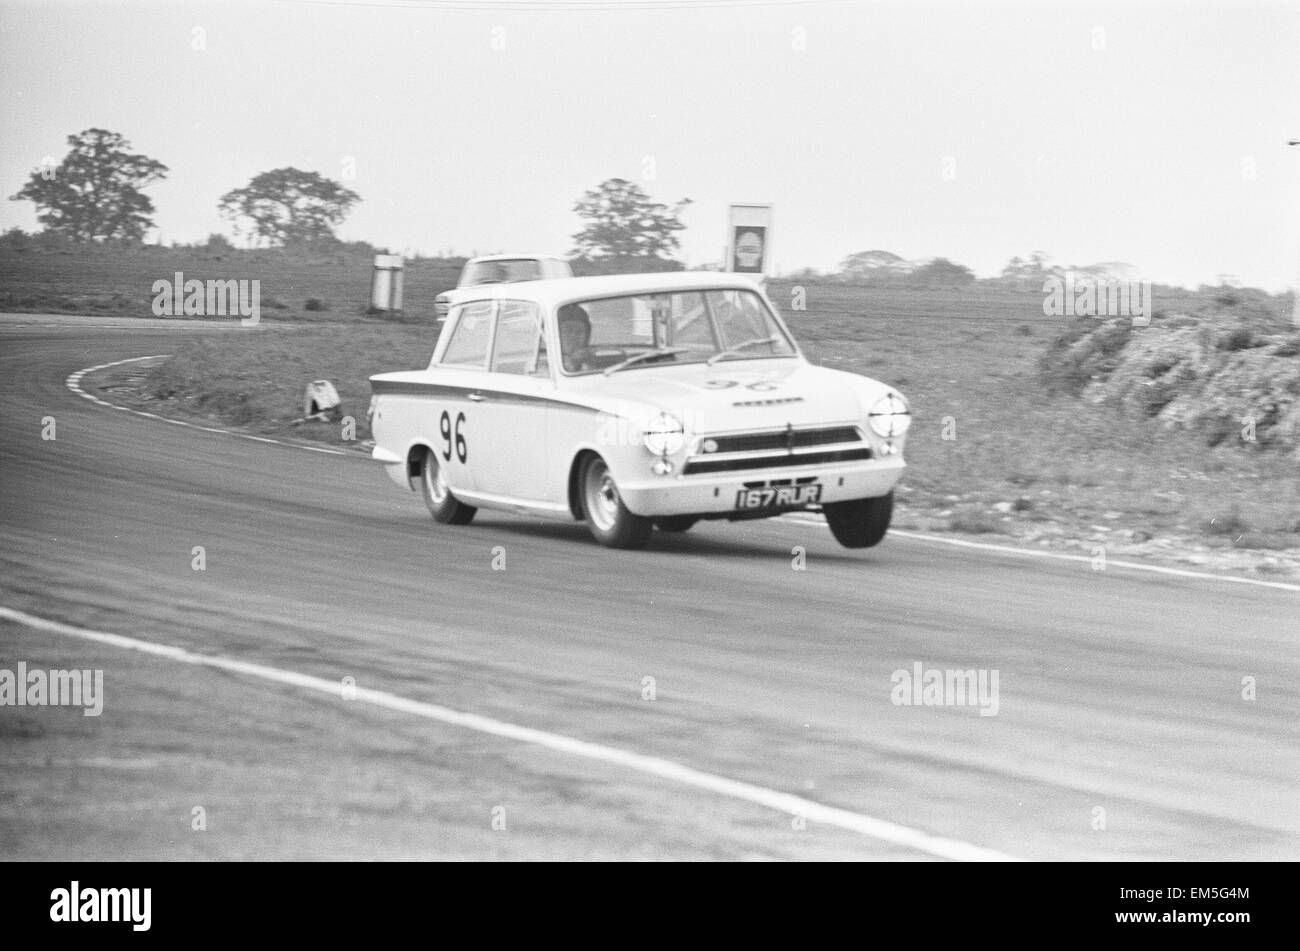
<point>442,505</point>
<point>860,523</point>
<point>608,518</point>
<point>675,523</point>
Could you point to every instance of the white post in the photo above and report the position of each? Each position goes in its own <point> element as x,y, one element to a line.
<point>1295,312</point>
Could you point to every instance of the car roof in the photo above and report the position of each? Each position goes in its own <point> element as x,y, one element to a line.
<point>562,290</point>
<point>515,257</point>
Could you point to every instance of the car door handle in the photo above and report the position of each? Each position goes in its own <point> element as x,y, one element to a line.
<point>477,397</point>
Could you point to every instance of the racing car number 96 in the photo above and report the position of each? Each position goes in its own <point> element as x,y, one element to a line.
<point>452,436</point>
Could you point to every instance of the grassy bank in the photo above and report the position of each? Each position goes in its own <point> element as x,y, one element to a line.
<point>255,380</point>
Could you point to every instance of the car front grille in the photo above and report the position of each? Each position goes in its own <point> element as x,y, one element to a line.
<point>779,439</point>
<point>772,449</point>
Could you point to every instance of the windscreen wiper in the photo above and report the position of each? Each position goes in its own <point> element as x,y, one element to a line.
<point>757,341</point>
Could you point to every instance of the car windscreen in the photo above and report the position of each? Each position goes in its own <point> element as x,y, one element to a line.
<point>675,327</point>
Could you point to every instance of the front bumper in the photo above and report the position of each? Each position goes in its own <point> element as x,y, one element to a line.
<point>715,494</point>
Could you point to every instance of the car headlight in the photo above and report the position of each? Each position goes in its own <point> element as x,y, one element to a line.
<point>664,435</point>
<point>890,416</point>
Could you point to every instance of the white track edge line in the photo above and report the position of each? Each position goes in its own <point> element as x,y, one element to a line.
<point>880,829</point>
<point>73,382</point>
<point>1063,556</point>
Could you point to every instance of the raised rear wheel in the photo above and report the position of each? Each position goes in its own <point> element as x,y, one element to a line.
<point>442,505</point>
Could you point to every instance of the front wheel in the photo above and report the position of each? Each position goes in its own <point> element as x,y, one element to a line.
<point>859,523</point>
<point>442,505</point>
<point>608,518</point>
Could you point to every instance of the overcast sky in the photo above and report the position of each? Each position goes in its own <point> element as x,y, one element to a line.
<point>1148,133</point>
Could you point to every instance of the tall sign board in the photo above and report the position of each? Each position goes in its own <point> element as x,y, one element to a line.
<point>749,239</point>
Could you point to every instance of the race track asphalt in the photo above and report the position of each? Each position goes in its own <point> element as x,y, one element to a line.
<point>1121,729</point>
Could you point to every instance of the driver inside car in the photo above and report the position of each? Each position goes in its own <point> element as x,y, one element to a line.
<point>575,338</point>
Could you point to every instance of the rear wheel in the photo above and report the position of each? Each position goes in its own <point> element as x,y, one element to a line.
<point>442,505</point>
<point>608,518</point>
<point>859,523</point>
<point>675,523</point>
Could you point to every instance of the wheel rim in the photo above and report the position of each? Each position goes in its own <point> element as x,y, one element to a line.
<point>602,497</point>
<point>435,483</point>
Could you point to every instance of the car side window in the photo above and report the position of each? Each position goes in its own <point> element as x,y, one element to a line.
<point>518,342</point>
<point>468,345</point>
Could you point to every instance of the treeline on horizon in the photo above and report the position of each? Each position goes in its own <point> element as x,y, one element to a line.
<point>937,274</point>
<point>94,198</point>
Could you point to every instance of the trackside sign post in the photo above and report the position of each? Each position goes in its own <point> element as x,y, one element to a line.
<point>749,239</point>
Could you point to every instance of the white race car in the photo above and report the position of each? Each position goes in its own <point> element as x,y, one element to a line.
<point>635,402</point>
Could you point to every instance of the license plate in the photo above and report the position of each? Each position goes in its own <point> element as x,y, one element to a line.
<point>779,496</point>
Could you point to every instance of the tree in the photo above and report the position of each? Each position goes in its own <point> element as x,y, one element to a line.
<point>287,206</point>
<point>94,193</point>
<point>866,265</point>
<point>1029,274</point>
<point>624,225</point>
<point>942,273</point>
